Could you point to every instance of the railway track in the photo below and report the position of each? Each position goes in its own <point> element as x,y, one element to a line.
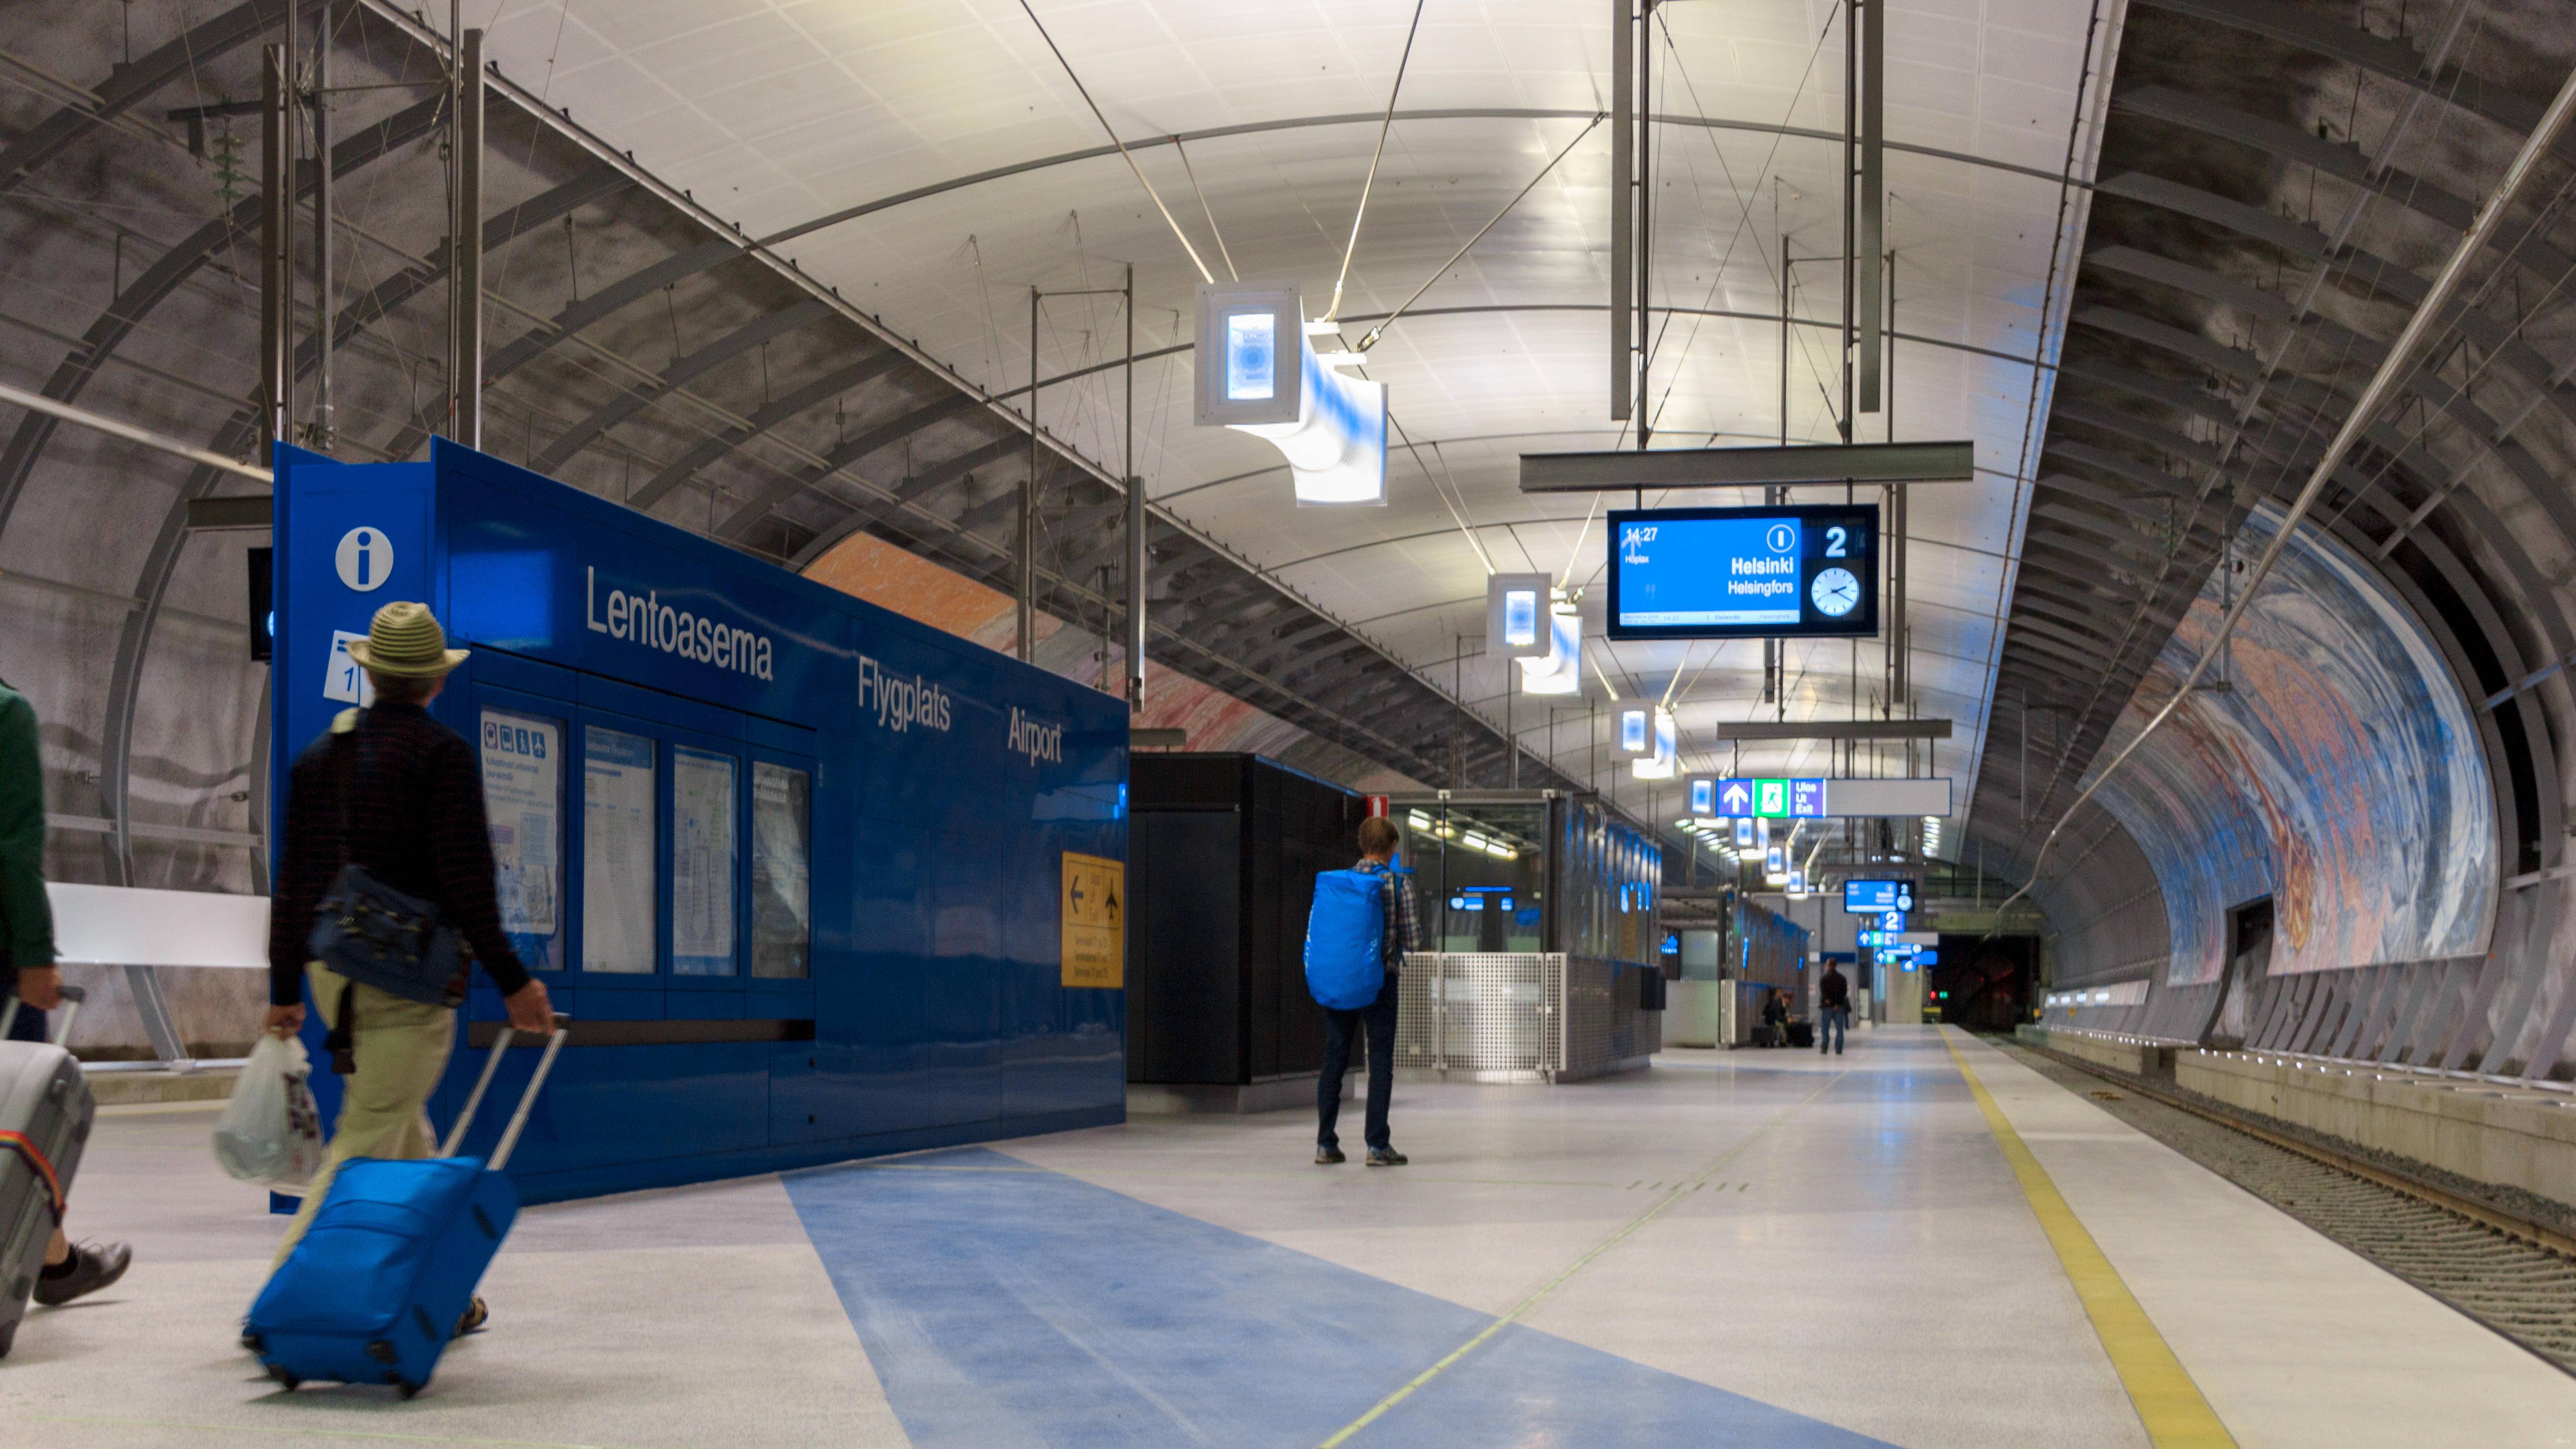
<point>2502,1269</point>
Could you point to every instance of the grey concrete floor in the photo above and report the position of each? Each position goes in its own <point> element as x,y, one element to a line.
<point>1837,1237</point>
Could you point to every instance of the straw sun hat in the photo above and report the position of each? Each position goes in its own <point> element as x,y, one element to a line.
<point>406,642</point>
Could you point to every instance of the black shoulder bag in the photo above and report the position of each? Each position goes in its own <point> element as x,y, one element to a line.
<point>372,933</point>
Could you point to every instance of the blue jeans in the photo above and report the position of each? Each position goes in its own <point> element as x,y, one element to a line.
<point>1832,1022</point>
<point>30,1025</point>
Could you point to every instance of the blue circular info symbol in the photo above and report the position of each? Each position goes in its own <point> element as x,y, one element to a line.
<point>1781,538</point>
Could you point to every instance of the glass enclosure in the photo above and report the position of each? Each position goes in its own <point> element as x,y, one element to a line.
<point>1530,872</point>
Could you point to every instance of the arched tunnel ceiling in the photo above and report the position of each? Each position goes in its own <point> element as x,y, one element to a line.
<point>923,165</point>
<point>934,162</point>
<point>2277,183</point>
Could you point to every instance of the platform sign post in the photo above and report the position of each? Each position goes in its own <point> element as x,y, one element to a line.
<point>1095,916</point>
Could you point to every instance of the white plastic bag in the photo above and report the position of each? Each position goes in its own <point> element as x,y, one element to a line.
<point>271,1133</point>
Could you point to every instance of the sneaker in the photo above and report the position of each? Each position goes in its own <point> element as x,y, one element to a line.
<point>1386,1157</point>
<point>93,1266</point>
<point>1327,1156</point>
<point>472,1319</point>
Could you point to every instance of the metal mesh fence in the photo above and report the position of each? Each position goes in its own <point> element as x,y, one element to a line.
<point>1520,1016</point>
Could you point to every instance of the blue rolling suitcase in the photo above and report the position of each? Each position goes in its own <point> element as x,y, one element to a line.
<point>373,1292</point>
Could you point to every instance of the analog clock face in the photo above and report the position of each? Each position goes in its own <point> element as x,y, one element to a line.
<point>1835,592</point>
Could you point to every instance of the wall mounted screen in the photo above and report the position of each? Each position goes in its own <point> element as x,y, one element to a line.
<point>1743,573</point>
<point>1876,897</point>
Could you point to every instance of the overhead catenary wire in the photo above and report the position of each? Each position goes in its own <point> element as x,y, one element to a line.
<point>1383,126</point>
<point>1123,153</point>
<point>1374,333</point>
<point>2399,362</point>
<point>1223,252</point>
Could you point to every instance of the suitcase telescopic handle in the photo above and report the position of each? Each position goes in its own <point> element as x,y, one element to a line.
<point>73,996</point>
<point>500,1157</point>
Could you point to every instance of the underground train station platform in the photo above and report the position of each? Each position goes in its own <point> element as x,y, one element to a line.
<point>1920,1243</point>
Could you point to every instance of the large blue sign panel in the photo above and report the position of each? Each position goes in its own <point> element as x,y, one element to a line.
<point>791,862</point>
<point>1737,573</point>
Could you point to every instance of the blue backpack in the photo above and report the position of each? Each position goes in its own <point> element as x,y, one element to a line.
<point>1346,939</point>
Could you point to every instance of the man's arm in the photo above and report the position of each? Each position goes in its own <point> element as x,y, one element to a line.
<point>305,864</point>
<point>1408,914</point>
<point>26,917</point>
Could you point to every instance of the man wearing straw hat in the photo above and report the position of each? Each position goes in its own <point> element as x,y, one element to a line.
<point>412,799</point>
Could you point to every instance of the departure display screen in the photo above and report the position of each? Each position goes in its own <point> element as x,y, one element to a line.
<point>1878,897</point>
<point>1743,573</point>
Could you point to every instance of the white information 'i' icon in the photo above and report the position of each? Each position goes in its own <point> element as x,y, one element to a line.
<point>1781,539</point>
<point>365,559</point>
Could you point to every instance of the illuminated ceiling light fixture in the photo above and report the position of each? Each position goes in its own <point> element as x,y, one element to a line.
<point>1663,763</point>
<point>1636,731</point>
<point>1560,671</point>
<point>1270,382</point>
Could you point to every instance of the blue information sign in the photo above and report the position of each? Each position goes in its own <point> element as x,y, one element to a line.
<point>1876,897</point>
<point>1891,920</point>
<point>1740,573</point>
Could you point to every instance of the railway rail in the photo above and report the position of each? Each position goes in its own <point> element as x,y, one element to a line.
<point>2502,1269</point>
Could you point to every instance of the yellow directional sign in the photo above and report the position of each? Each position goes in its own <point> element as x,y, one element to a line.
<point>1095,921</point>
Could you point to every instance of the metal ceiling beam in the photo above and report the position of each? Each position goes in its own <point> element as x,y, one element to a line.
<point>759,331</point>
<point>1362,118</point>
<point>773,492</point>
<point>130,83</point>
<point>1858,729</point>
<point>813,394</point>
<point>164,277</point>
<point>1788,465</point>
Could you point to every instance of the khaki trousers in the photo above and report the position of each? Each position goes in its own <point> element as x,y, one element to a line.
<point>402,1049</point>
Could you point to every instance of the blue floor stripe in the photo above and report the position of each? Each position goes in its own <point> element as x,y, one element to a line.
<point>1005,1307</point>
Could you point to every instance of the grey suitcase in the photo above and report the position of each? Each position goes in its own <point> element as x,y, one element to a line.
<point>45,1114</point>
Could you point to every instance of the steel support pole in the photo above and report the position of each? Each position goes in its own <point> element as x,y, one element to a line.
<point>276,247</point>
<point>465,238</point>
<point>1135,521</point>
<point>1851,161</point>
<point>1872,15</point>
<point>322,427</point>
<point>1623,201</point>
<point>1645,218</point>
<point>1026,629</point>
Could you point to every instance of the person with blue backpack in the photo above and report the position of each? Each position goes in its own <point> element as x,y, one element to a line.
<point>1363,922</point>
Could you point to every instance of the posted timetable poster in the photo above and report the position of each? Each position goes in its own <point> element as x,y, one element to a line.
<point>702,863</point>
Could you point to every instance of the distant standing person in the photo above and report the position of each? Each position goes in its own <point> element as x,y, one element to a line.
<point>27,969</point>
<point>1833,997</point>
<point>1403,932</point>
<point>402,797</point>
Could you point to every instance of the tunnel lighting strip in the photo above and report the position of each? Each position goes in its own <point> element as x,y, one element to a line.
<point>100,422</point>
<point>2398,363</point>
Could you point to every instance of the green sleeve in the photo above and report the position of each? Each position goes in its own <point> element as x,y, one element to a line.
<point>26,920</point>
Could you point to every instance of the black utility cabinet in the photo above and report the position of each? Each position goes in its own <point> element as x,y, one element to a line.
<point>1222,851</point>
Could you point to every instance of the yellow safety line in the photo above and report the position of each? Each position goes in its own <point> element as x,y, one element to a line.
<point>1518,1310</point>
<point>2169,1404</point>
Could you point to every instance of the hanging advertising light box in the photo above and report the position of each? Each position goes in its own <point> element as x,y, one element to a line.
<point>1560,670</point>
<point>1636,731</point>
<point>1258,374</point>
<point>1744,573</point>
<point>1516,616</point>
<point>1664,762</point>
